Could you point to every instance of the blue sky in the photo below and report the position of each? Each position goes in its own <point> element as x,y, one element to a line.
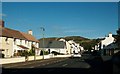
<point>86,19</point>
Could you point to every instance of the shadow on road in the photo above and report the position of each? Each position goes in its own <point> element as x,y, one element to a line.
<point>45,70</point>
<point>98,66</point>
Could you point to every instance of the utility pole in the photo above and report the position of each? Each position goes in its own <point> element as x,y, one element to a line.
<point>42,28</point>
<point>35,53</point>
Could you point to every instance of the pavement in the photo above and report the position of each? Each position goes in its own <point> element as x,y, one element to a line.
<point>33,64</point>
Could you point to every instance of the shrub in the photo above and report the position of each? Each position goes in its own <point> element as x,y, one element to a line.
<point>45,52</point>
<point>31,52</point>
<point>55,53</point>
<point>3,56</point>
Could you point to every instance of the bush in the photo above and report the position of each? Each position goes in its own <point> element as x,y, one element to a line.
<point>55,53</point>
<point>23,53</point>
<point>95,53</point>
<point>31,52</point>
<point>45,52</point>
<point>3,56</point>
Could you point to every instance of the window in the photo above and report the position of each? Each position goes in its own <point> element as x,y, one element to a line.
<point>14,41</point>
<point>20,42</point>
<point>7,53</point>
<point>7,41</point>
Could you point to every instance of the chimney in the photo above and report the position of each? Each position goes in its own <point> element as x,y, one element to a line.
<point>110,34</point>
<point>1,23</point>
<point>30,32</point>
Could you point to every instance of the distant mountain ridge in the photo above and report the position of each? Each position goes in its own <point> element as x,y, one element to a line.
<point>75,38</point>
<point>79,38</point>
<point>85,42</point>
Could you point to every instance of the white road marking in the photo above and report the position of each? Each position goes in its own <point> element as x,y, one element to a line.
<point>64,65</point>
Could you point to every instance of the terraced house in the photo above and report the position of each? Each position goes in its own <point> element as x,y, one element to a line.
<point>13,42</point>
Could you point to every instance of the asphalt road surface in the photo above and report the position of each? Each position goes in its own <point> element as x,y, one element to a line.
<point>84,65</point>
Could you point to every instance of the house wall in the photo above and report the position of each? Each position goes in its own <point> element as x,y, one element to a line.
<point>68,46</point>
<point>37,45</point>
<point>107,41</point>
<point>7,46</point>
<point>15,47</point>
<point>63,51</point>
<point>25,43</point>
<point>37,50</point>
<point>29,44</point>
<point>16,43</point>
<point>10,46</point>
<point>71,46</point>
<point>60,50</point>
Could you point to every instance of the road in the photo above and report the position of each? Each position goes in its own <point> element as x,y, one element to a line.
<point>84,65</point>
<point>68,63</point>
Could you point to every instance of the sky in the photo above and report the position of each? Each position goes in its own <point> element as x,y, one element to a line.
<point>60,19</point>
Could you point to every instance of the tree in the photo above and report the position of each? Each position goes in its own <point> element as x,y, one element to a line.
<point>32,52</point>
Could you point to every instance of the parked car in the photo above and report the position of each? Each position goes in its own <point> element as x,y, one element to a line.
<point>76,55</point>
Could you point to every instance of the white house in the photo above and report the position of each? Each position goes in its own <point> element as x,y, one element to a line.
<point>72,46</point>
<point>107,45</point>
<point>53,45</point>
<point>108,40</point>
<point>12,41</point>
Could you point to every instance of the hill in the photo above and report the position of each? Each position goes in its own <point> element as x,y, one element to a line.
<point>67,38</point>
<point>85,42</point>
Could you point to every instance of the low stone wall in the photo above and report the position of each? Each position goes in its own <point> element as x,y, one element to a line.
<point>30,58</point>
<point>59,56</point>
<point>18,59</point>
<point>12,60</point>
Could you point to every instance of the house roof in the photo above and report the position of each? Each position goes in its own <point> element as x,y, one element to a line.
<point>111,46</point>
<point>23,47</point>
<point>51,44</point>
<point>7,32</point>
<point>29,37</point>
<point>11,33</point>
<point>35,47</point>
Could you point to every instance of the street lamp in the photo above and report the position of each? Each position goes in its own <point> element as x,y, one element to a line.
<point>42,28</point>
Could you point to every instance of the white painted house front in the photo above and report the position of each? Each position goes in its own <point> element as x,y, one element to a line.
<point>108,45</point>
<point>13,41</point>
<point>72,46</point>
<point>53,45</point>
<point>108,40</point>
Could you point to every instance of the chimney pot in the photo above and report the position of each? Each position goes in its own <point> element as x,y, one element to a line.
<point>30,32</point>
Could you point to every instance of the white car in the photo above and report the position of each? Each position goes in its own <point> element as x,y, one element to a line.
<point>76,55</point>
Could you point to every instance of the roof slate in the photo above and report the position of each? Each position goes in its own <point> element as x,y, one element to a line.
<point>51,44</point>
<point>7,32</point>
<point>29,37</point>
